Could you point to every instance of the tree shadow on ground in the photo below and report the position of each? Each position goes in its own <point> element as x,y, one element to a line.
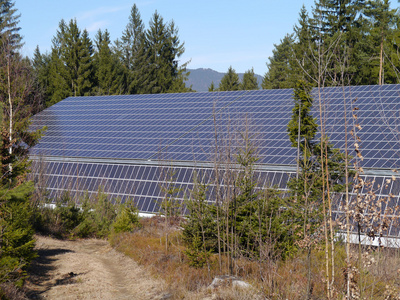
<point>39,280</point>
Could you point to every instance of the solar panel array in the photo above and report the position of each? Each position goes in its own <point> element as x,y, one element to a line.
<point>142,183</point>
<point>122,143</point>
<point>181,127</point>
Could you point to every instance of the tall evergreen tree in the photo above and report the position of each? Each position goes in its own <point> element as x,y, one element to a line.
<point>163,50</point>
<point>280,73</point>
<point>230,81</point>
<point>9,29</point>
<point>129,48</point>
<point>338,22</point>
<point>131,38</point>
<point>71,70</point>
<point>41,65</point>
<point>108,69</point>
<point>249,81</point>
<point>305,48</point>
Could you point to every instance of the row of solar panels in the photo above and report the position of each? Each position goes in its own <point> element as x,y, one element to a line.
<point>142,126</point>
<point>145,184</point>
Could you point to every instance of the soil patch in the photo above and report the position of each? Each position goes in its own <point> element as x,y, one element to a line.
<point>88,269</point>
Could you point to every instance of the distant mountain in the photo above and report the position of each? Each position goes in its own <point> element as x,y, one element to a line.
<point>200,79</point>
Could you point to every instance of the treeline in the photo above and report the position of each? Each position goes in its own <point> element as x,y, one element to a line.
<point>141,61</point>
<point>231,82</point>
<point>355,42</point>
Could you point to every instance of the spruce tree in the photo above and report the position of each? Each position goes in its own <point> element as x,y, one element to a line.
<point>131,38</point>
<point>129,49</point>
<point>280,73</point>
<point>85,76</point>
<point>305,48</point>
<point>162,67</point>
<point>71,71</point>
<point>41,65</point>
<point>9,29</point>
<point>230,81</point>
<point>212,88</point>
<point>249,81</point>
<point>307,186</point>
<point>108,70</point>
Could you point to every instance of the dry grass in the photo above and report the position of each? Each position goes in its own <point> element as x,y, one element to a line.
<point>376,276</point>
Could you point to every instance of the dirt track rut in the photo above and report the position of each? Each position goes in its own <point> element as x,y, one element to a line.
<point>88,269</point>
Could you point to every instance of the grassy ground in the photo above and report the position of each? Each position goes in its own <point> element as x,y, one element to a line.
<point>376,277</point>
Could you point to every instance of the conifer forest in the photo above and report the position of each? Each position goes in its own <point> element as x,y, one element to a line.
<point>285,243</point>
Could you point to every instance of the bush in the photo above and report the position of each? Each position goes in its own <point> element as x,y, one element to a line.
<point>127,219</point>
<point>60,221</point>
<point>16,233</point>
<point>96,217</point>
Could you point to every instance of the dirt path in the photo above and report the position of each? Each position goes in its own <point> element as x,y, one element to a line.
<point>88,269</point>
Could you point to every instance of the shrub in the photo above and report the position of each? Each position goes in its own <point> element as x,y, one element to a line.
<point>127,219</point>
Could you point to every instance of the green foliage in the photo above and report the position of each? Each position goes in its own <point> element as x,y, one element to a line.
<point>350,39</point>
<point>9,30</point>
<point>212,88</point>
<point>250,221</point>
<point>141,61</point>
<point>18,100</point>
<point>280,66</point>
<point>198,258</point>
<point>308,186</point>
<point>302,119</point>
<point>249,81</point>
<point>200,228</point>
<point>94,217</point>
<point>230,81</point>
<point>108,70</point>
<point>16,233</point>
<point>99,214</point>
<point>71,70</point>
<point>127,218</point>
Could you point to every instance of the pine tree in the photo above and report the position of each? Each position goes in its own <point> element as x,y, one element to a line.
<point>249,81</point>
<point>338,22</point>
<point>164,48</point>
<point>108,70</point>
<point>41,68</point>
<point>230,81</point>
<point>212,88</point>
<point>9,30</point>
<point>280,73</point>
<point>129,50</point>
<point>305,47</point>
<point>71,70</point>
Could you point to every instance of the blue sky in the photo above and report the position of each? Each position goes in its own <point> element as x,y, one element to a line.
<point>217,34</point>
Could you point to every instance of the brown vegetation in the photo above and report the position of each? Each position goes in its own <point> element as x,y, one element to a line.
<point>273,279</point>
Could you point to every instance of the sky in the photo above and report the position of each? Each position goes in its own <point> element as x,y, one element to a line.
<point>217,33</point>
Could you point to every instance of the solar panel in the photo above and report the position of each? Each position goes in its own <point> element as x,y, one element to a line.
<point>117,141</point>
<point>182,125</point>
